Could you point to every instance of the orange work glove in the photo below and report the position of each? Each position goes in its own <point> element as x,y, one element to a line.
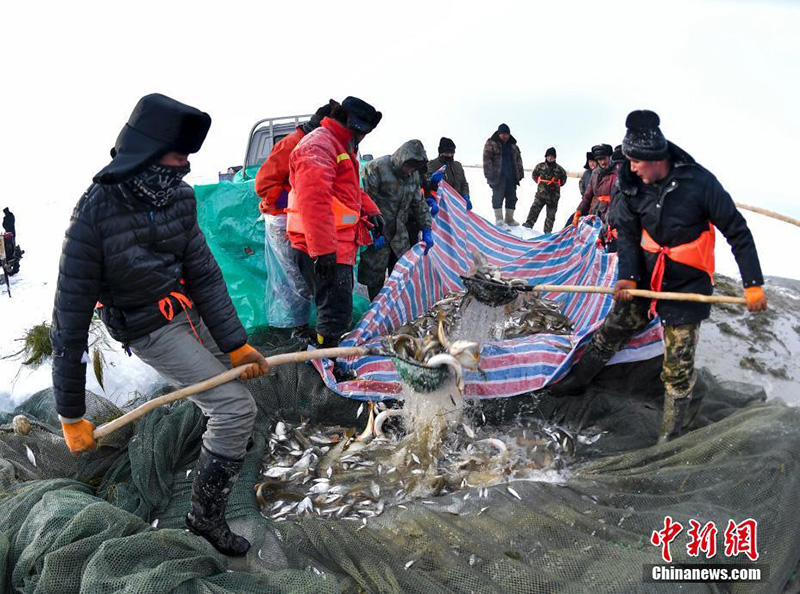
<point>576,218</point>
<point>79,436</point>
<point>246,354</point>
<point>756,300</point>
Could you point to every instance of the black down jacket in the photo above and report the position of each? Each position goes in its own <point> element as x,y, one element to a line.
<point>129,255</point>
<point>676,211</point>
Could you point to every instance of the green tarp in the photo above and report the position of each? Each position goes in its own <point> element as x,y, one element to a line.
<point>230,219</point>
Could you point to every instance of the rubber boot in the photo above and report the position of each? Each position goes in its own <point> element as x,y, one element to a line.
<point>676,412</point>
<point>213,482</point>
<point>303,334</point>
<point>498,217</point>
<point>510,218</point>
<point>327,342</point>
<point>591,363</point>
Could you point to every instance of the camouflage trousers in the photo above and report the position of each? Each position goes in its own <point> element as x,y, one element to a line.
<point>538,203</point>
<point>680,344</point>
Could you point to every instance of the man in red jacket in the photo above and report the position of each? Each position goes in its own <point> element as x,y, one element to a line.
<point>293,308</point>
<point>329,215</point>
<point>272,179</point>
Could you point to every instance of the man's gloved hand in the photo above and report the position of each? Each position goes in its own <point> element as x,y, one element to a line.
<point>79,435</point>
<point>621,290</point>
<point>427,237</point>
<point>378,242</point>
<point>436,177</point>
<point>469,203</point>
<point>325,266</point>
<point>576,217</point>
<point>246,354</point>
<point>756,300</point>
<point>378,223</point>
<point>432,205</point>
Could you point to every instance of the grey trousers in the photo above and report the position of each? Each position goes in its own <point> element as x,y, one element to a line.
<point>174,351</point>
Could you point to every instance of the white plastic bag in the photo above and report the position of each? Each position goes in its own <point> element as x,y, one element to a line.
<point>288,298</point>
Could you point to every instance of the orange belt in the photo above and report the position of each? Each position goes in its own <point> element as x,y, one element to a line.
<point>698,254</point>
<point>165,305</point>
<point>603,198</point>
<point>555,180</point>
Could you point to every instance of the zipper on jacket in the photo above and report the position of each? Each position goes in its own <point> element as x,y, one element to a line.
<point>660,202</point>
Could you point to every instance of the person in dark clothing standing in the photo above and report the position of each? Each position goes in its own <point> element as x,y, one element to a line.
<point>9,222</point>
<point>549,177</point>
<point>589,166</point>
<point>453,174</point>
<point>134,245</point>
<point>597,196</point>
<point>667,208</point>
<point>502,166</point>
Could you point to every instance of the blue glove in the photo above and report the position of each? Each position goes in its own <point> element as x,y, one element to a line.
<point>427,237</point>
<point>469,203</point>
<point>436,177</point>
<point>379,242</point>
<point>433,206</point>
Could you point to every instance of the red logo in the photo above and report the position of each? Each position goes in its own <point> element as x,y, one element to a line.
<point>664,537</point>
<point>741,538</point>
<point>702,539</point>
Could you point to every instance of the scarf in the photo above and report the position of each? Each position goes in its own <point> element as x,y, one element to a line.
<point>158,184</point>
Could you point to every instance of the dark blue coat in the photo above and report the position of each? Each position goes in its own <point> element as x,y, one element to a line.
<point>676,211</point>
<point>129,255</point>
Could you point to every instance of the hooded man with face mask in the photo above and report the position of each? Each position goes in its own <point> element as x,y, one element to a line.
<point>134,246</point>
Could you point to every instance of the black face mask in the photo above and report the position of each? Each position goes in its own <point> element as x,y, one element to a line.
<point>444,159</point>
<point>157,184</point>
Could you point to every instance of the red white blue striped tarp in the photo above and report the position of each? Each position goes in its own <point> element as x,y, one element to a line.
<point>510,367</point>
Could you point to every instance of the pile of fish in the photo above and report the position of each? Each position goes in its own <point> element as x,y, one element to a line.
<point>331,472</point>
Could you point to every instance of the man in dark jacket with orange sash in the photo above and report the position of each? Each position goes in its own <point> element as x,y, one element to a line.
<point>665,213</point>
<point>134,245</point>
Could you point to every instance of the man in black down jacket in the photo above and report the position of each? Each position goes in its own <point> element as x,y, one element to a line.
<point>134,245</point>
<point>666,201</point>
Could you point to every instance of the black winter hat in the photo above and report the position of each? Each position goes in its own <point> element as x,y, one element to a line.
<point>361,116</point>
<point>617,156</point>
<point>158,125</point>
<point>602,150</point>
<point>550,151</point>
<point>446,145</point>
<point>503,129</point>
<point>643,140</point>
<point>589,157</point>
<point>322,113</point>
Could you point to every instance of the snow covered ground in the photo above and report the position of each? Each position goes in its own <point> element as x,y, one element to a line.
<point>774,346</point>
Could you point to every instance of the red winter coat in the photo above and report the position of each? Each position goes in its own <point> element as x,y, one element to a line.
<point>272,179</point>
<point>321,168</point>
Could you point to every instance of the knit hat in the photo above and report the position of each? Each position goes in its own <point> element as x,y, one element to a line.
<point>602,150</point>
<point>643,140</point>
<point>503,129</point>
<point>550,151</point>
<point>446,145</point>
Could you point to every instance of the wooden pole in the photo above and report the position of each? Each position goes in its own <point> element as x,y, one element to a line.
<point>640,293</point>
<point>223,378</point>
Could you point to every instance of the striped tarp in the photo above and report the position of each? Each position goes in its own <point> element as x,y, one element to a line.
<point>509,367</point>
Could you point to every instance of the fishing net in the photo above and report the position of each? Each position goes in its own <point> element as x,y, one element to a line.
<point>112,520</point>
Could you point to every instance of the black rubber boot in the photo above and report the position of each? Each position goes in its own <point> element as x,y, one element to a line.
<point>676,413</point>
<point>591,363</point>
<point>304,334</point>
<point>327,342</point>
<point>213,483</point>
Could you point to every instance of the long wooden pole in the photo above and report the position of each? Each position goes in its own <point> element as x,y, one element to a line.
<point>639,293</point>
<point>768,213</point>
<point>223,378</point>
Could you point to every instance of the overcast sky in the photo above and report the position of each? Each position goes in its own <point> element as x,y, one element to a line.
<point>722,75</point>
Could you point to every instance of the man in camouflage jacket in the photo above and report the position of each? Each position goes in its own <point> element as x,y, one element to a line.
<point>549,177</point>
<point>393,182</point>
